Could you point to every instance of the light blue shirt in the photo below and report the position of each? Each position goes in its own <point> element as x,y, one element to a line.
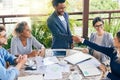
<point>63,22</point>
<point>10,73</point>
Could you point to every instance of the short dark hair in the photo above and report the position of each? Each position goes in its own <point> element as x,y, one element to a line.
<point>118,35</point>
<point>97,19</point>
<point>2,28</point>
<point>56,2</point>
<point>20,27</point>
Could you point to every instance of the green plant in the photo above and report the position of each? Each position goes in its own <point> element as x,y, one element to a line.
<point>41,32</point>
<point>7,46</point>
<point>112,28</point>
<point>72,24</point>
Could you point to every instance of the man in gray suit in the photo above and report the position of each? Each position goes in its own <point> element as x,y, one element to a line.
<point>59,26</point>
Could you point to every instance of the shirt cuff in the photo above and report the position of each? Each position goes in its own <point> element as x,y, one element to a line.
<point>82,40</point>
<point>42,47</point>
<point>15,69</point>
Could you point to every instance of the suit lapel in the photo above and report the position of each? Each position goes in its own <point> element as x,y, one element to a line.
<point>61,24</point>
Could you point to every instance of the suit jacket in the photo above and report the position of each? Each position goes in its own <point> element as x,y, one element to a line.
<point>62,39</point>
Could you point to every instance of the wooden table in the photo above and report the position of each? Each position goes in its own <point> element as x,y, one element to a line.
<point>72,68</point>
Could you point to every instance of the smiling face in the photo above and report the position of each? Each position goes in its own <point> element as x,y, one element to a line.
<point>26,32</point>
<point>22,30</point>
<point>60,8</point>
<point>99,26</point>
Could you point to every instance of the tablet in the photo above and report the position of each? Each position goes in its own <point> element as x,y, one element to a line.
<point>59,53</point>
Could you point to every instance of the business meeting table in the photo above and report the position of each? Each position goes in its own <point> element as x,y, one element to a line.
<point>72,72</point>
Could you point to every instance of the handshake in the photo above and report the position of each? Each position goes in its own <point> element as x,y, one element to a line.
<point>77,39</point>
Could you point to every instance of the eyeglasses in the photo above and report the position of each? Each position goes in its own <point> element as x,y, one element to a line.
<point>96,26</point>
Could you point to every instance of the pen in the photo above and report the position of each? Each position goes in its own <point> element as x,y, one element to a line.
<point>84,60</point>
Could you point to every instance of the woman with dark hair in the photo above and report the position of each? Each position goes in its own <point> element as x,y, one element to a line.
<point>112,52</point>
<point>102,38</point>
<point>23,41</point>
<point>12,72</point>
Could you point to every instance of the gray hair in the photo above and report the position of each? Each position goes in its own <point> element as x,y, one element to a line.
<point>20,27</point>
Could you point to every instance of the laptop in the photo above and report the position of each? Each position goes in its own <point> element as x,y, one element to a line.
<point>77,58</point>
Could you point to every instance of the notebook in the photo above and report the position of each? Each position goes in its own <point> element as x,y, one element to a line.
<point>89,70</point>
<point>77,58</point>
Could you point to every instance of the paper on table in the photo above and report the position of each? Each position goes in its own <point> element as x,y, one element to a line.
<point>34,72</point>
<point>39,61</point>
<point>53,72</point>
<point>75,76</point>
<point>66,68</point>
<point>31,77</point>
<point>50,60</point>
<point>49,76</point>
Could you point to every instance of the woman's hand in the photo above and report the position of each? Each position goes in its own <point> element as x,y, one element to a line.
<point>41,52</point>
<point>103,68</point>
<point>34,53</point>
<point>85,50</point>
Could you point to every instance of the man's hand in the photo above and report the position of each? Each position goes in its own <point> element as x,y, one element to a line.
<point>20,57</point>
<point>21,61</point>
<point>77,39</point>
<point>72,46</point>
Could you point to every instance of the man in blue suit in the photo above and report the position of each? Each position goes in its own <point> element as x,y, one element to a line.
<point>59,26</point>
